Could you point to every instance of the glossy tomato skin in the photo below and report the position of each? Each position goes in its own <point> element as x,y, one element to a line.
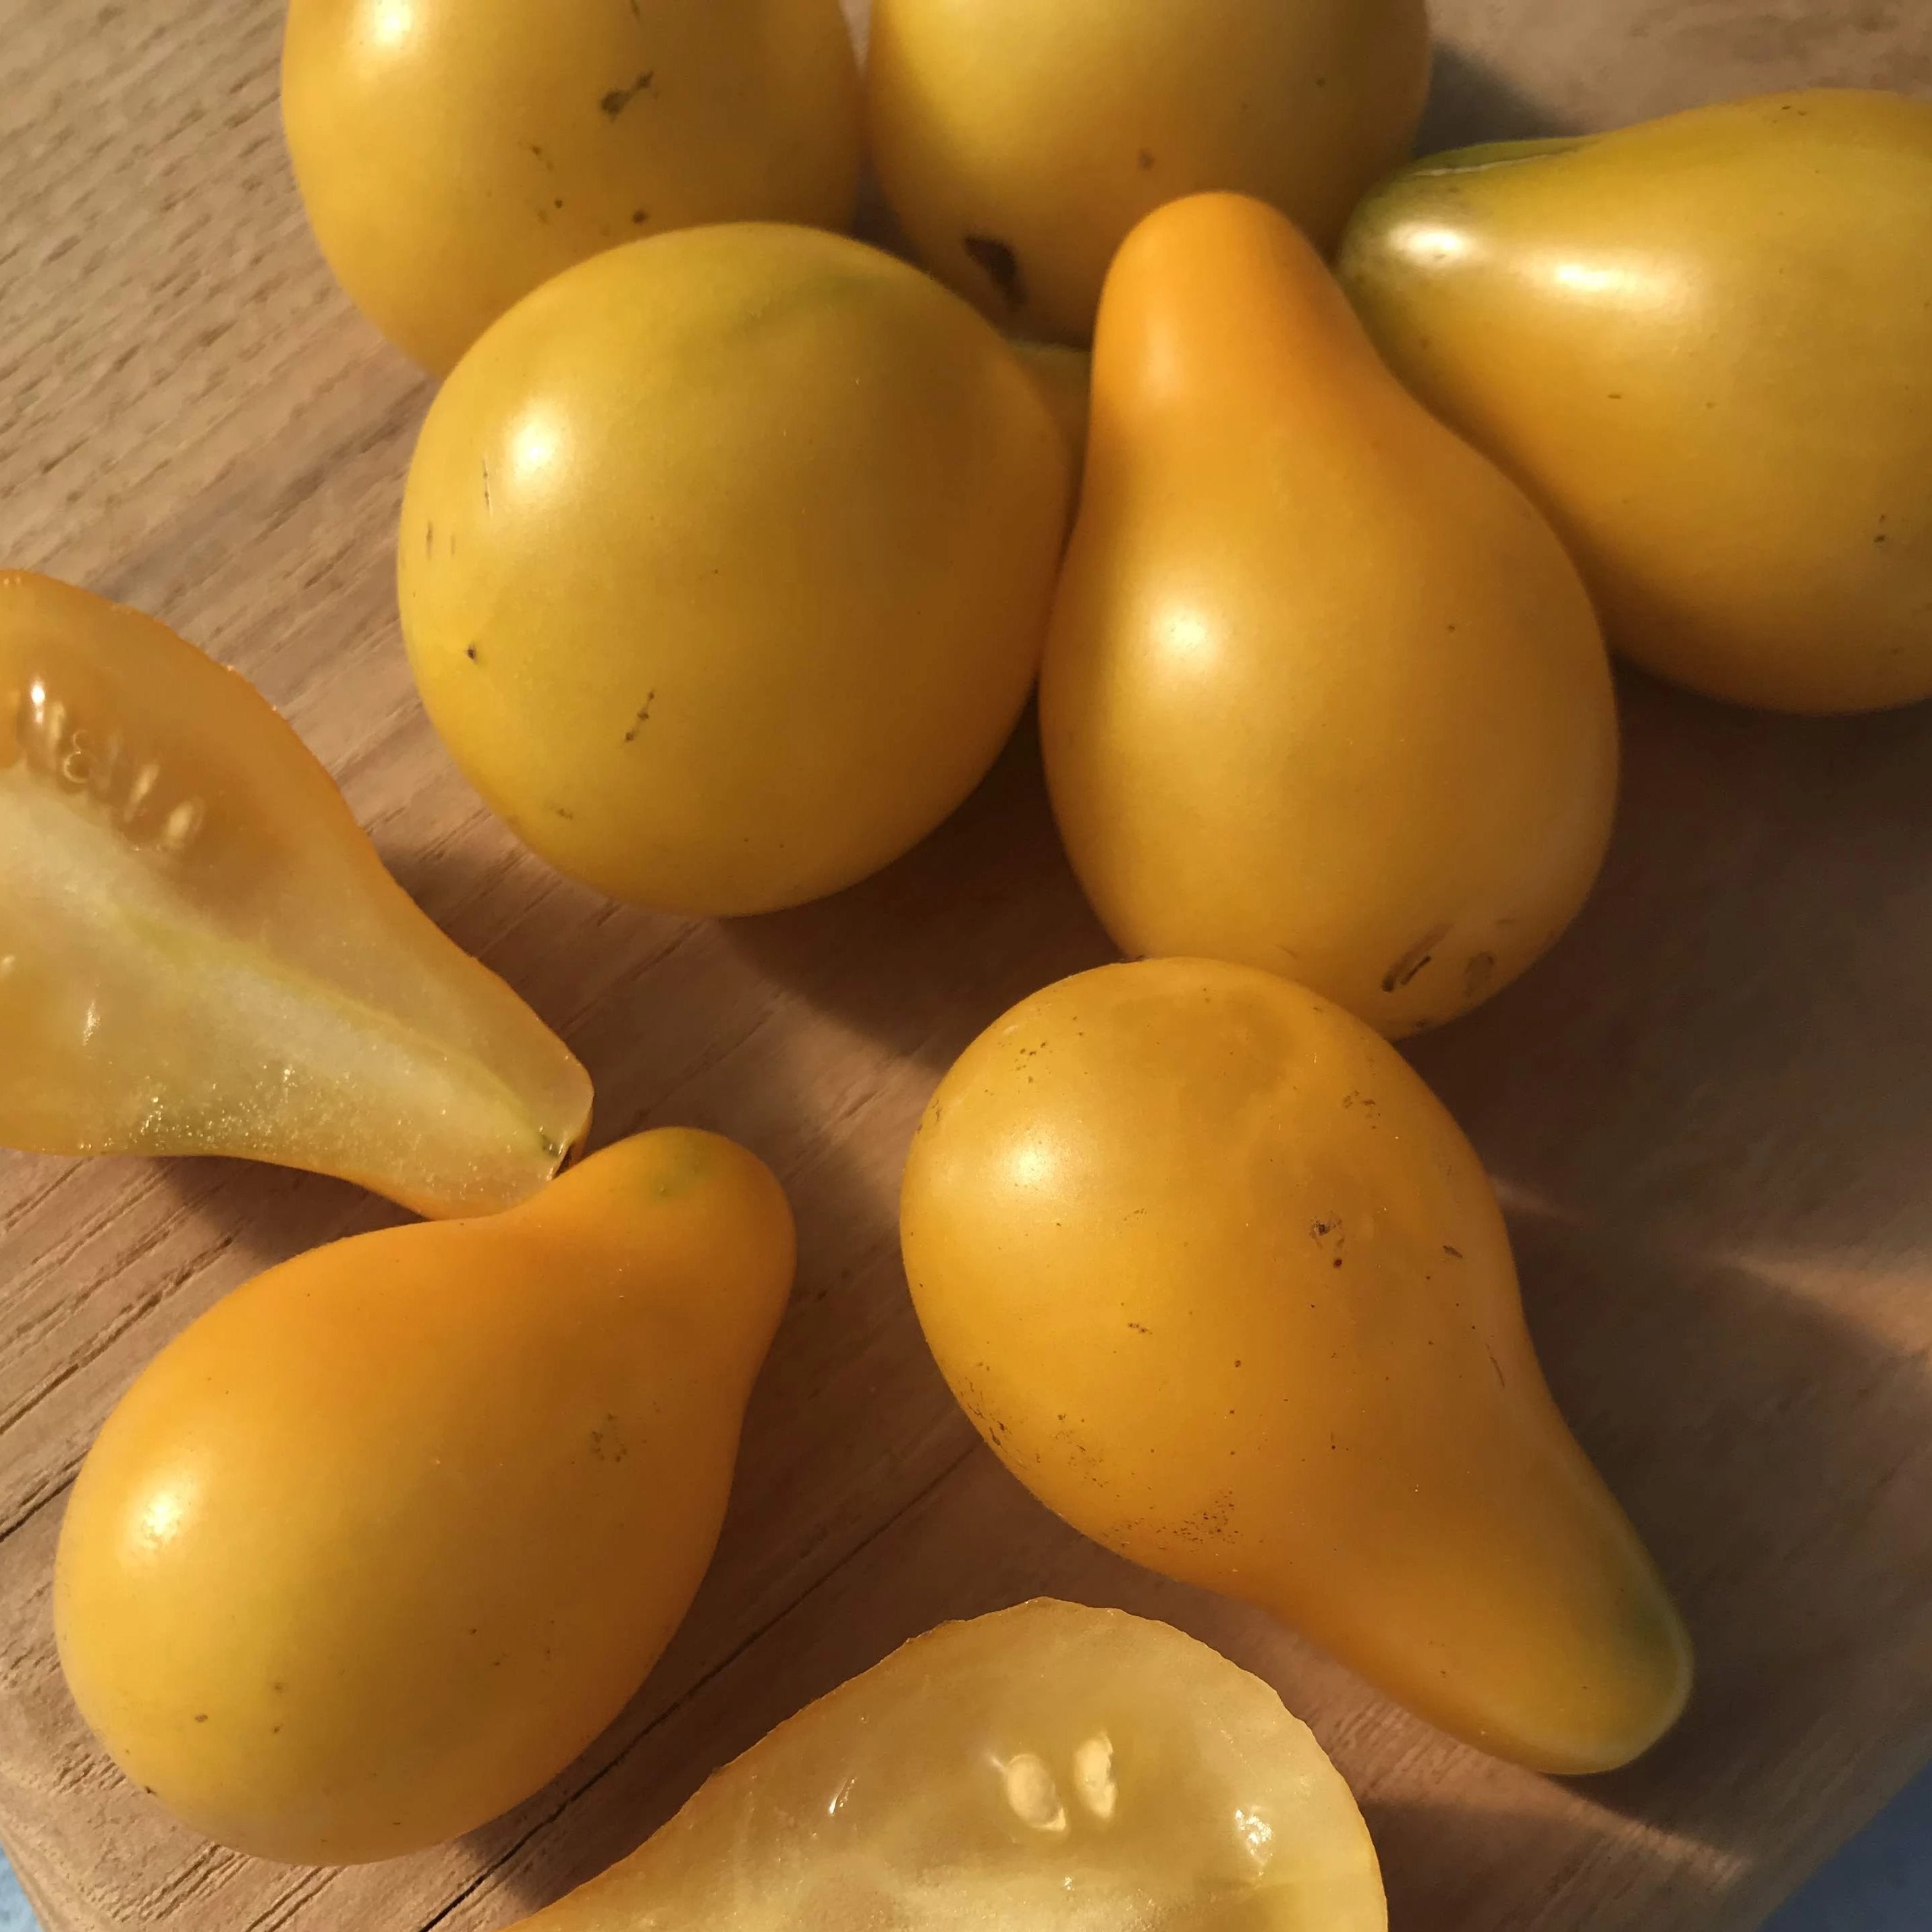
<point>1323,693</point>
<point>1219,1281</point>
<point>377,1545</point>
<point>1702,343</point>
<point>725,563</point>
<point>1018,143</point>
<point>453,154</point>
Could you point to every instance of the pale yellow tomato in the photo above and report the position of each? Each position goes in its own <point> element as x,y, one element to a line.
<point>453,154</point>
<point>200,952</point>
<point>1017,142</point>
<point>1047,1769</point>
<point>1218,1279</point>
<point>726,561</point>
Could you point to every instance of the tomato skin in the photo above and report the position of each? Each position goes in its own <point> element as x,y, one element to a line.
<point>1701,343</point>
<point>452,155</point>
<point>725,563</point>
<point>1323,692</point>
<point>1019,143</point>
<point>374,1548</point>
<point>1218,1279</point>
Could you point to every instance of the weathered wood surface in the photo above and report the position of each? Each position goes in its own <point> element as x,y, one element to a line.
<point>1710,1110</point>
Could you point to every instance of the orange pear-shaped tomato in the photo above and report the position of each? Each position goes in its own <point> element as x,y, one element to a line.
<point>200,952</point>
<point>1322,693</point>
<point>381,1541</point>
<point>1222,1283</point>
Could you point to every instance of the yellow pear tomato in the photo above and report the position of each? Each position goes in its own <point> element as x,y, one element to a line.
<point>377,1545</point>
<point>1218,1279</point>
<point>1323,692</point>
<point>1704,344</point>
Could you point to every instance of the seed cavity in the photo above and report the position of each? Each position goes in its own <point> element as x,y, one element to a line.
<point>102,769</point>
<point>78,763</point>
<point>139,791</point>
<point>46,738</point>
<point>1093,1776</point>
<point>1032,1793</point>
<point>183,826</point>
<point>81,759</point>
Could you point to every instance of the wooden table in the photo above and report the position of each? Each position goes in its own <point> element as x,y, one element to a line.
<point>1710,1111</point>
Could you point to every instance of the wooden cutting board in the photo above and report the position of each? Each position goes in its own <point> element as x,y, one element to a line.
<point>1709,1111</point>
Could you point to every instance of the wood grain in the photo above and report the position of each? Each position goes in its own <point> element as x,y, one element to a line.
<point>1709,1111</point>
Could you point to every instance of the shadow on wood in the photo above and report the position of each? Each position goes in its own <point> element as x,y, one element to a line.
<point>926,953</point>
<point>1471,99</point>
<point>1700,1110</point>
<point>1442,1861</point>
<point>1728,1050</point>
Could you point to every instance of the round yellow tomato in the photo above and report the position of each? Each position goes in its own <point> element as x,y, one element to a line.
<point>1018,142</point>
<point>726,562</point>
<point>453,154</point>
<point>1222,1283</point>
